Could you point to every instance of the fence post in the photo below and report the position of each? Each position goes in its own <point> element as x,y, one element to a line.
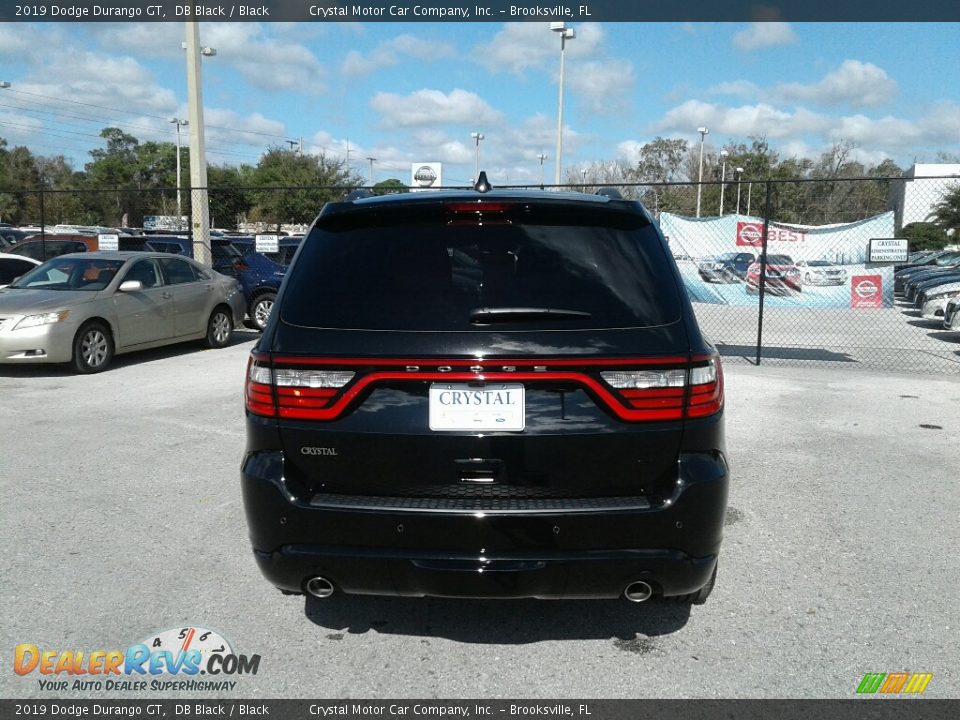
<point>767,211</point>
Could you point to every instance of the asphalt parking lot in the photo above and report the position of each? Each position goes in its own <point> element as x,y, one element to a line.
<point>122,517</point>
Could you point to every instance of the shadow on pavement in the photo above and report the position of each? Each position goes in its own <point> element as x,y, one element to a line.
<point>497,622</point>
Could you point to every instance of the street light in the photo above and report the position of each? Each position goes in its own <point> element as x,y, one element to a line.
<point>565,34</point>
<point>583,184</point>
<point>477,136</point>
<point>179,123</point>
<point>703,133</point>
<point>541,157</point>
<point>723,178</point>
<point>372,161</point>
<point>739,173</point>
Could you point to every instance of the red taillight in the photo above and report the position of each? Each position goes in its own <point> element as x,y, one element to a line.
<point>634,389</point>
<point>240,266</point>
<point>706,397</point>
<point>670,393</point>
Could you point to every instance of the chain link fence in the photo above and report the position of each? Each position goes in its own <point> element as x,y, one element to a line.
<point>777,270</point>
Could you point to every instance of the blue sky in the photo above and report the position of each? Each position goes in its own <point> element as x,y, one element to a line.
<point>413,92</point>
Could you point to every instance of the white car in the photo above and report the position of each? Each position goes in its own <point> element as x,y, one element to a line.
<point>13,266</point>
<point>951,314</point>
<point>935,306</point>
<point>821,272</point>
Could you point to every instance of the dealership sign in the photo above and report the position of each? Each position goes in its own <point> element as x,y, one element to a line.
<point>866,291</point>
<point>750,234</point>
<point>424,176</point>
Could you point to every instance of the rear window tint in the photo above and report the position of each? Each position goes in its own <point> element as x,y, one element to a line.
<point>429,271</point>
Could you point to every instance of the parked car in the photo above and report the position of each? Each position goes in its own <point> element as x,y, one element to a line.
<point>485,394</point>
<point>173,244</point>
<point>261,274</point>
<point>946,258</point>
<point>84,308</point>
<point>921,280</point>
<point>821,272</point>
<point>951,314</point>
<point>49,245</point>
<point>10,236</point>
<point>934,305</point>
<point>782,276</point>
<point>13,266</point>
<point>726,267</point>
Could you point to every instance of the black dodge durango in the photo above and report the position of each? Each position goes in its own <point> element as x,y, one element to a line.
<point>485,394</point>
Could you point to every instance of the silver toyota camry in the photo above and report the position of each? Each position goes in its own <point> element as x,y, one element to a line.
<point>84,308</point>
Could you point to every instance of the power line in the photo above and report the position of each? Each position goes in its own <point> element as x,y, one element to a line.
<point>141,114</point>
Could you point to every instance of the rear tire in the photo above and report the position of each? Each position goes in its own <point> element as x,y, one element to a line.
<point>261,309</point>
<point>92,348</point>
<point>700,596</point>
<point>219,328</point>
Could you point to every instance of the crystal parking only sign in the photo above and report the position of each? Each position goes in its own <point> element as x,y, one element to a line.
<point>887,250</point>
<point>108,242</point>
<point>267,243</point>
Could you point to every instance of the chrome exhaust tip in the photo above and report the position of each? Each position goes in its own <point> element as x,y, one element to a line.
<point>319,587</point>
<point>638,591</point>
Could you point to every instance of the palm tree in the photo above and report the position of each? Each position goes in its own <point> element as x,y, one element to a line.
<point>946,213</point>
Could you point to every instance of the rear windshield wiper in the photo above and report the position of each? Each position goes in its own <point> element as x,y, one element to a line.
<point>485,315</point>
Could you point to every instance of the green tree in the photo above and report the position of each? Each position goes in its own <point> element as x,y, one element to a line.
<point>293,187</point>
<point>662,161</point>
<point>229,201</point>
<point>387,187</point>
<point>924,236</point>
<point>946,213</point>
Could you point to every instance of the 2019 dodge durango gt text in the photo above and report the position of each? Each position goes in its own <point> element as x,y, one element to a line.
<point>485,394</point>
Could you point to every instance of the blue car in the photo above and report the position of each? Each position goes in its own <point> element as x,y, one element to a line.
<point>260,275</point>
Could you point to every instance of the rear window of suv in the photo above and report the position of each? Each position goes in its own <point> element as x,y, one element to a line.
<point>438,266</point>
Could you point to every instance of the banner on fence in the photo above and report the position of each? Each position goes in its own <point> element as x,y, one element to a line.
<point>807,266</point>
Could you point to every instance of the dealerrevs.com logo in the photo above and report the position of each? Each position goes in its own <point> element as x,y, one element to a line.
<point>190,659</point>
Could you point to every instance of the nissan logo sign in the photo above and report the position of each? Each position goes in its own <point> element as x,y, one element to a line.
<point>751,234</point>
<point>425,176</point>
<point>866,289</point>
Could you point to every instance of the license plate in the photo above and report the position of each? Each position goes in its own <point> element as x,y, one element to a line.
<point>486,408</point>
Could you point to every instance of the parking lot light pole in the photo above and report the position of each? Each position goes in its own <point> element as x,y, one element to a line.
<point>723,178</point>
<point>372,161</point>
<point>565,34</point>
<point>739,172</point>
<point>541,157</point>
<point>703,133</point>
<point>179,123</point>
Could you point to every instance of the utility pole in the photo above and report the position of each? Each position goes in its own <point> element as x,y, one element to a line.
<point>199,201</point>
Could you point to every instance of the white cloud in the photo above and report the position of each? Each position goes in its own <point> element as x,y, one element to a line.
<point>603,87</point>
<point>764,34</point>
<point>265,64</point>
<point>433,108</point>
<point>147,39</point>
<point>736,88</point>
<point>888,136</point>
<point>854,83</point>
<point>760,119</point>
<point>523,46</point>
<point>392,52</point>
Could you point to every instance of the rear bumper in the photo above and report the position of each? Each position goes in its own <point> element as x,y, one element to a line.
<point>431,550</point>
<point>556,575</point>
